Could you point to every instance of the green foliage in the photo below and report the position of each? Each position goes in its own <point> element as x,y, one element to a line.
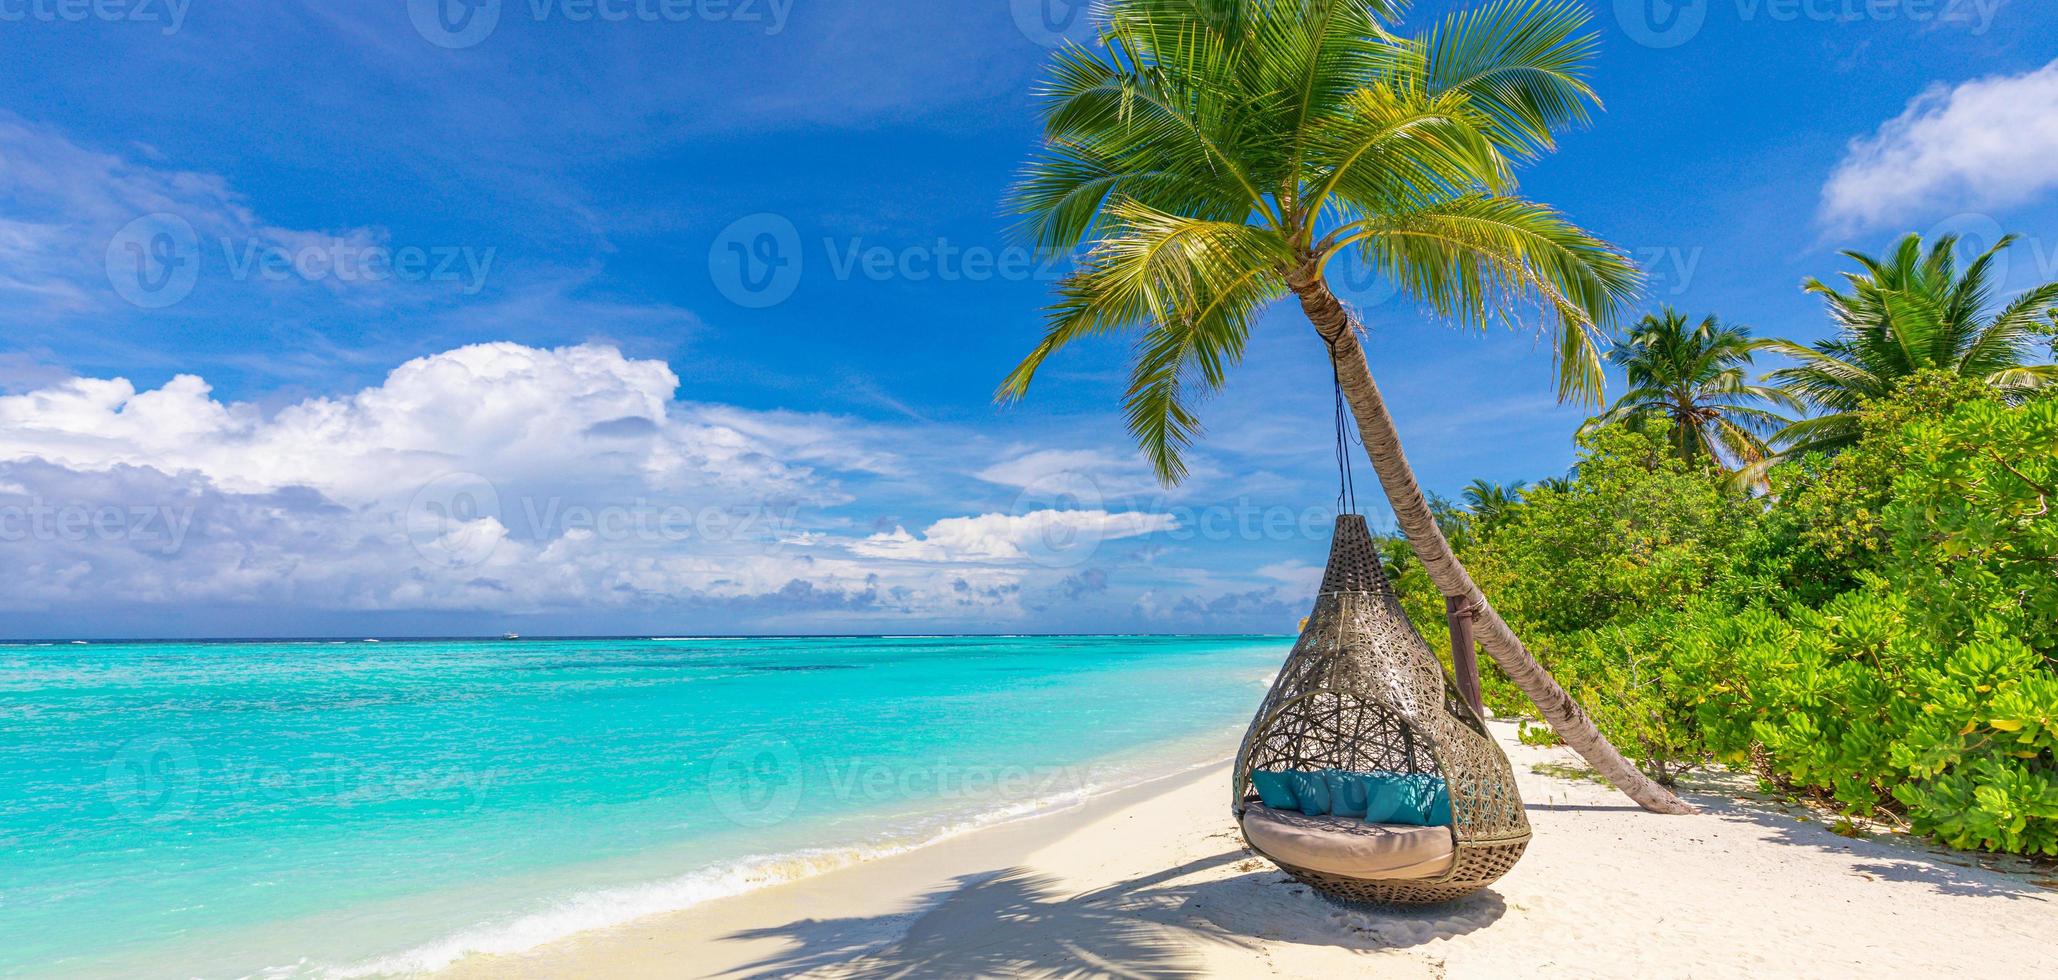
<point>1859,702</point>
<point>1974,539</point>
<point>1642,689</point>
<point>1206,159</point>
<point>1912,312</point>
<point>1881,634</point>
<point>1838,505</point>
<point>1637,529</point>
<point>1489,504</point>
<point>1696,378</point>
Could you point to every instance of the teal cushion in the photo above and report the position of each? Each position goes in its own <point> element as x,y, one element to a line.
<point>1348,792</point>
<point>1312,792</point>
<point>1275,789</point>
<point>1408,798</point>
<point>1440,802</point>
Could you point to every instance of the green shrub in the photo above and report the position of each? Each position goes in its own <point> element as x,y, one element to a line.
<point>1635,531</point>
<point>1930,688</point>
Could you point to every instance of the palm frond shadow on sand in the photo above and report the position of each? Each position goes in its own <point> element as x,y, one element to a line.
<point>1151,926</point>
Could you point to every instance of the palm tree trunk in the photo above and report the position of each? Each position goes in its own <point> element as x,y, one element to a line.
<point>1383,445</point>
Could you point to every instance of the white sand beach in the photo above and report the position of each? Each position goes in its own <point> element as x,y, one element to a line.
<point>1155,882</point>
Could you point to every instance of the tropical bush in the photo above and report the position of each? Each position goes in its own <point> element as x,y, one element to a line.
<point>1637,530</point>
<point>1880,632</point>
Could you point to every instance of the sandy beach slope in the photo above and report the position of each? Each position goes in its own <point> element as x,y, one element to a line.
<point>1154,882</point>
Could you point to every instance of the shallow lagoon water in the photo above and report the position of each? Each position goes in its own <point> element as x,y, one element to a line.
<point>229,809</point>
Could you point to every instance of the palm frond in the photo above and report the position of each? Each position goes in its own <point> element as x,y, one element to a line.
<point>1475,258</point>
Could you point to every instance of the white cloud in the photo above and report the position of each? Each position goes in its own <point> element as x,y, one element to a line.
<point>1986,143</point>
<point>504,479</point>
<point>518,416</point>
<point>494,476</point>
<point>1063,536</point>
<point>1298,576</point>
<point>64,203</point>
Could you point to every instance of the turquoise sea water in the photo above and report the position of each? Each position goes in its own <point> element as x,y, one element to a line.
<point>230,809</point>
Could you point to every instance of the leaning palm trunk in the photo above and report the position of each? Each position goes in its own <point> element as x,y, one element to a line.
<point>1383,445</point>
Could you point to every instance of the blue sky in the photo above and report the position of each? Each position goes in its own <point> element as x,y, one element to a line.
<point>653,445</point>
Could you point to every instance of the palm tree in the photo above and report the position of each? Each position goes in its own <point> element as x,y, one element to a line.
<point>1696,377</point>
<point>1913,312</point>
<point>1213,156</point>
<point>1491,503</point>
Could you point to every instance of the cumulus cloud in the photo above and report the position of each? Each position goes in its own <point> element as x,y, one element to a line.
<point>519,416</point>
<point>495,476</point>
<point>1044,535</point>
<point>1988,142</point>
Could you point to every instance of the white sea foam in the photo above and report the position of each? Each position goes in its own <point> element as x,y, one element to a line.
<point>605,907</point>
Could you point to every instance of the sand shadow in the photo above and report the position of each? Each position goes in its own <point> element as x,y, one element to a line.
<point>1026,924</point>
<point>1888,856</point>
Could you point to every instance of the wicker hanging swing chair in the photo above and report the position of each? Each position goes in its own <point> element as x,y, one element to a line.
<point>1362,693</point>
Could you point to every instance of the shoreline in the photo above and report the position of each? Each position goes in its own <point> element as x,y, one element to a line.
<point>914,880</point>
<point>1131,776</point>
<point>1153,880</point>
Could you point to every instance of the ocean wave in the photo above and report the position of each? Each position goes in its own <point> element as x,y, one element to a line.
<point>612,906</point>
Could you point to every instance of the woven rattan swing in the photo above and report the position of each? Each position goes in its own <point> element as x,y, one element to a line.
<point>1362,693</point>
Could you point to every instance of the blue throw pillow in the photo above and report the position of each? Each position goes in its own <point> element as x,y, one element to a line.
<point>1408,798</point>
<point>1348,792</point>
<point>1275,789</point>
<point>1439,802</point>
<point>1312,792</point>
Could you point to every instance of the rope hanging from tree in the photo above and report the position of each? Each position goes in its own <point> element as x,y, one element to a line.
<point>1346,481</point>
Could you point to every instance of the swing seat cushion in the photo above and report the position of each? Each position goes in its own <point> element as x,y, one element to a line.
<point>1349,847</point>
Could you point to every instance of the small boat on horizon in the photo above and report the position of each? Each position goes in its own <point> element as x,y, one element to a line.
<point>510,636</point>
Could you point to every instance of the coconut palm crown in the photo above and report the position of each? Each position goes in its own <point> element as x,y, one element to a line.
<point>1491,503</point>
<point>1698,377</point>
<point>1912,312</point>
<point>1213,155</point>
<point>1208,157</point>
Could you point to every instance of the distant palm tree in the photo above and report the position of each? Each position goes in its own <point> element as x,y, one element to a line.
<point>1696,377</point>
<point>1491,503</point>
<point>1214,156</point>
<point>1912,313</point>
